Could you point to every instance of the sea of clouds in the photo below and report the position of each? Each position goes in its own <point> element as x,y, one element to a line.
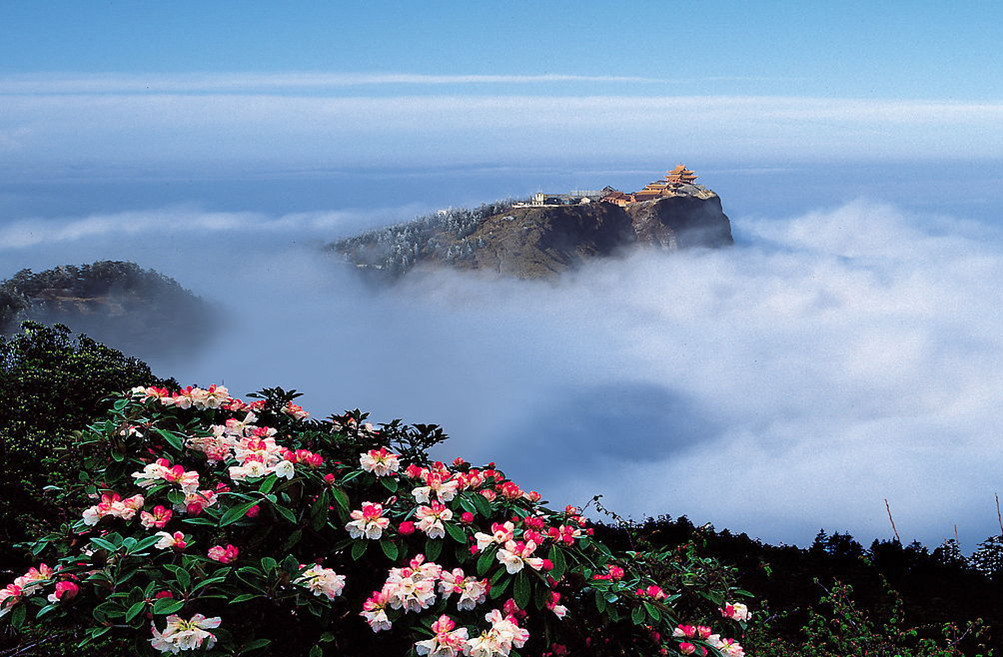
<point>824,363</point>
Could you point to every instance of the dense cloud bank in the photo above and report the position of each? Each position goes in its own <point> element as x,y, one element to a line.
<point>791,382</point>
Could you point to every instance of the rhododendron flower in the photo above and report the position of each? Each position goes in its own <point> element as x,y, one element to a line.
<point>736,611</point>
<point>112,504</point>
<point>197,501</point>
<point>183,634</point>
<point>517,554</point>
<point>440,484</point>
<point>687,648</point>
<point>64,591</point>
<point>175,540</point>
<point>369,522</point>
<point>295,411</point>
<point>222,554</point>
<point>447,642</point>
<point>406,528</point>
<point>501,533</point>
<point>28,581</point>
<point>687,631</point>
<point>381,462</point>
<point>374,610</point>
<point>322,581</point>
<point>553,600</point>
<point>727,647</point>
<point>652,591</point>
<point>412,588</point>
<point>431,518</point>
<point>10,595</point>
<point>504,634</point>
<point>472,591</point>
<point>162,470</point>
<point>158,518</point>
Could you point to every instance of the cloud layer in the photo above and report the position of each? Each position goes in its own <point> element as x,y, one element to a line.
<point>214,129</point>
<point>826,362</point>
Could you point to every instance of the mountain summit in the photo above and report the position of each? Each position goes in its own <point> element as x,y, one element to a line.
<point>550,233</point>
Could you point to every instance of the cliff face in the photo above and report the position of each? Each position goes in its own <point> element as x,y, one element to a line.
<point>535,242</point>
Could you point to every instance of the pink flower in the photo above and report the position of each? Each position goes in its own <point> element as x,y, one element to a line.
<point>368,521</point>
<point>253,511</point>
<point>687,648</point>
<point>222,554</point>
<point>159,518</point>
<point>175,540</point>
<point>406,528</point>
<point>65,590</point>
<point>380,462</point>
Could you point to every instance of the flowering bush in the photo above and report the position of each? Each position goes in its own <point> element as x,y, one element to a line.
<point>230,527</point>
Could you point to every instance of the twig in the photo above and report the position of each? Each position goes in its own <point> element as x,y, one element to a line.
<point>998,516</point>
<point>892,520</point>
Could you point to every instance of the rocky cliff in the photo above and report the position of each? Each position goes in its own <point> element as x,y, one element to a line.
<point>534,242</point>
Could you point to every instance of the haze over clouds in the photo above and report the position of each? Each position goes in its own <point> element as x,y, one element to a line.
<point>826,362</point>
<point>260,129</point>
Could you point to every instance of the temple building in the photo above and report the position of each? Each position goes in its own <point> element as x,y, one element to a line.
<point>671,185</point>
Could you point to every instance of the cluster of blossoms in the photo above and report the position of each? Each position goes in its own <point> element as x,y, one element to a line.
<point>368,521</point>
<point>112,504</point>
<point>503,634</point>
<point>222,554</point>
<point>181,634</point>
<point>727,647</point>
<point>736,611</point>
<point>33,582</point>
<point>191,397</point>
<point>322,581</point>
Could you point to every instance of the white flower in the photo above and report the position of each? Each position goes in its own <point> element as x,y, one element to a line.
<point>183,634</point>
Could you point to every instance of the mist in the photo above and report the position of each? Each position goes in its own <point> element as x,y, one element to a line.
<point>826,362</point>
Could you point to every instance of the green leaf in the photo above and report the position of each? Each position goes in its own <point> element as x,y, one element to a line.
<point>485,560</point>
<point>268,564</point>
<point>257,644</point>
<point>134,611</point>
<point>285,513</point>
<point>315,651</point>
<point>433,548</point>
<point>499,590</point>
<point>389,483</point>
<point>172,439</point>
<point>482,504</point>
<point>340,497</point>
<point>17,617</point>
<point>104,544</point>
<point>236,513</point>
<point>164,606</point>
<point>176,497</point>
<point>653,611</point>
<point>556,556</point>
<point>358,549</point>
<point>244,597</point>
<point>456,532</point>
<point>268,484</point>
<point>637,615</point>
<point>199,521</point>
<point>521,590</point>
<point>390,549</point>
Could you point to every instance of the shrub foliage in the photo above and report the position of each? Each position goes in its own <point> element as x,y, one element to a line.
<point>232,527</point>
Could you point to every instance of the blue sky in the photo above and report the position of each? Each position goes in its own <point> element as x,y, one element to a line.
<point>928,50</point>
<point>106,87</point>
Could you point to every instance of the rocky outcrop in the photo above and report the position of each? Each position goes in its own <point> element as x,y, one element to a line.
<point>119,303</point>
<point>540,241</point>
